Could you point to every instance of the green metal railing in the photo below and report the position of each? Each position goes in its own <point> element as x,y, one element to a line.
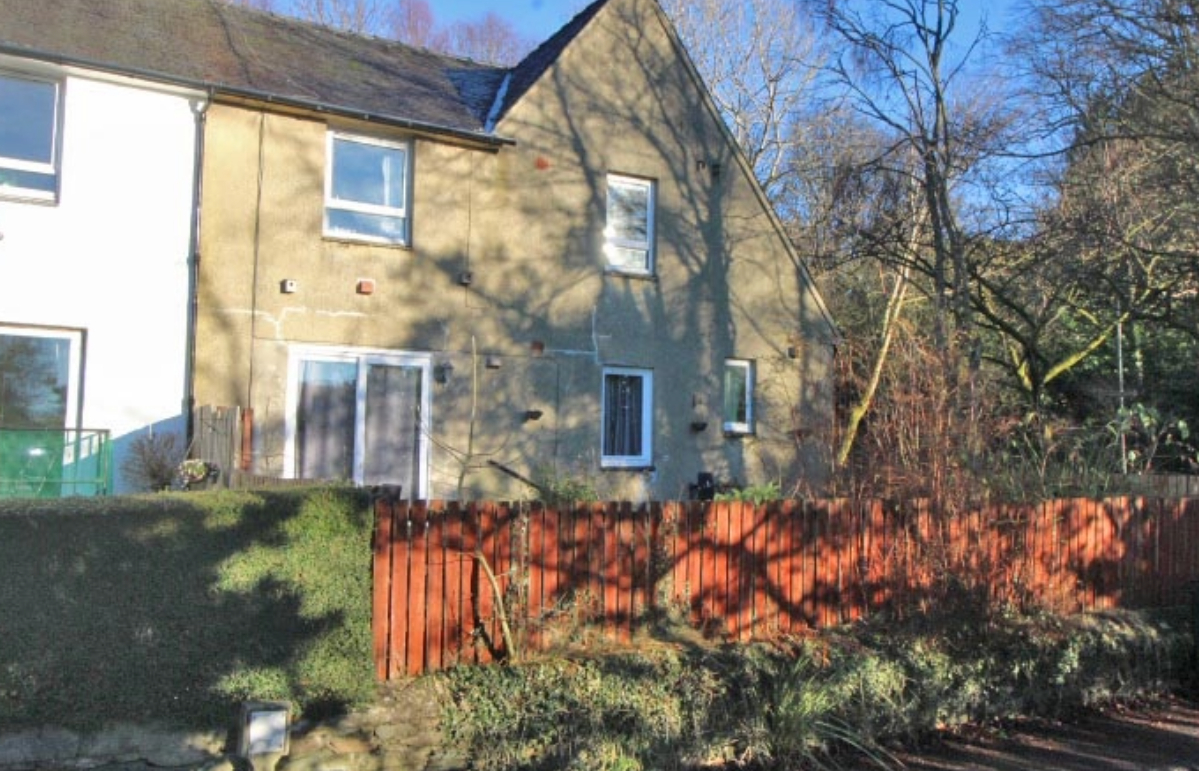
<point>51,463</point>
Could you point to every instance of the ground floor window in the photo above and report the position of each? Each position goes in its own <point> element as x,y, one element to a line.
<point>39,377</point>
<point>39,397</point>
<point>627,418</point>
<point>360,416</point>
<point>738,410</point>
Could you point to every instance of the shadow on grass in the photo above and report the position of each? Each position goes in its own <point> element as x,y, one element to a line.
<point>173,608</point>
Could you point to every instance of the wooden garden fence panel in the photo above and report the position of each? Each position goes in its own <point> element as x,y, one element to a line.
<point>447,575</point>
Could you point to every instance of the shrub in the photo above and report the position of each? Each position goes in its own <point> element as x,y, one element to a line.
<point>839,695</point>
<point>755,494</point>
<point>153,461</point>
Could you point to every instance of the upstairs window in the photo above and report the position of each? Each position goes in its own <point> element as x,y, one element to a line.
<point>627,418</point>
<point>29,123</point>
<point>738,397</point>
<point>629,230</point>
<point>367,186</point>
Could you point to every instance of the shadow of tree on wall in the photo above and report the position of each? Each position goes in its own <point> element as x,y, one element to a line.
<point>161,609</point>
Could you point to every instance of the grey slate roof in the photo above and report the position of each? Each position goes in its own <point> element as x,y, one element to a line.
<point>213,44</point>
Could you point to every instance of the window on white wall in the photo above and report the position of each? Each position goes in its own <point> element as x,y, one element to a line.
<point>39,377</point>
<point>367,187</point>
<point>627,418</point>
<point>738,396</point>
<point>29,137</point>
<point>629,229</point>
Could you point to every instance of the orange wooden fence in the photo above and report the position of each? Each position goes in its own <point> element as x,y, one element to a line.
<point>742,572</point>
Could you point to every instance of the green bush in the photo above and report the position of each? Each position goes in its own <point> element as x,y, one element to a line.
<point>175,607</point>
<point>841,694</point>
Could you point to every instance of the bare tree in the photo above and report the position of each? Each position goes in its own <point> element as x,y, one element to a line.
<point>760,59</point>
<point>1120,80</point>
<point>364,17</point>
<point>905,74</point>
<point>412,22</point>
<point>490,39</point>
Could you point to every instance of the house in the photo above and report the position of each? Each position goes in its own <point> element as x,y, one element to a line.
<point>97,214</point>
<point>419,270</point>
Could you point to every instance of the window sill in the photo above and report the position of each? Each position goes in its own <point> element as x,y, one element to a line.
<point>333,238</point>
<point>633,274</point>
<point>634,467</point>
<point>37,199</point>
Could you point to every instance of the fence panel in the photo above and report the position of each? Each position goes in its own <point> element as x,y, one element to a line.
<point>442,572</point>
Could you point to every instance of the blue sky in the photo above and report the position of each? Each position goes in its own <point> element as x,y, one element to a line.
<point>533,19</point>
<point>538,19</point>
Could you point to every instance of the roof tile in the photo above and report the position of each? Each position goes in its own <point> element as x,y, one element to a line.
<point>227,47</point>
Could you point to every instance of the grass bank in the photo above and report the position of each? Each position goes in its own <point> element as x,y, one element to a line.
<point>174,607</point>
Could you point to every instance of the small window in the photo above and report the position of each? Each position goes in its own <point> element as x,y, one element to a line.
<point>366,189</point>
<point>629,231</point>
<point>738,396</point>
<point>627,418</point>
<point>28,138</point>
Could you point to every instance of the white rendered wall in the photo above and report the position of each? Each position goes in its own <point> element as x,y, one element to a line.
<point>111,255</point>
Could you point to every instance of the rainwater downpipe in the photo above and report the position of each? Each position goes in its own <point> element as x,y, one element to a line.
<point>199,109</point>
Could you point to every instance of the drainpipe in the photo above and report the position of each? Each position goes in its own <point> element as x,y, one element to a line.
<point>200,111</point>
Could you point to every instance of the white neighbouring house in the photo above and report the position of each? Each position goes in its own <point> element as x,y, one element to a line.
<point>97,220</point>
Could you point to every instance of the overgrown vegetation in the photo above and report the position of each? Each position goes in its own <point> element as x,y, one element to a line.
<point>178,606</point>
<point>814,702</point>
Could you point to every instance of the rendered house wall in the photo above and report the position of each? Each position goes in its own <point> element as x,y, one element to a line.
<point>526,222</point>
<point>110,257</point>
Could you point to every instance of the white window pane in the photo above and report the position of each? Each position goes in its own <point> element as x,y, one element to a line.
<point>623,258</point>
<point>27,120</point>
<point>34,381</point>
<point>26,180</point>
<point>735,385</point>
<point>622,415</point>
<point>736,396</point>
<point>368,173</point>
<point>626,421</point>
<point>628,213</point>
<point>325,422</point>
<point>360,224</point>
<point>393,427</point>
<point>629,228</point>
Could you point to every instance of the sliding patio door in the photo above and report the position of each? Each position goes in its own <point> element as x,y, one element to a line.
<point>361,417</point>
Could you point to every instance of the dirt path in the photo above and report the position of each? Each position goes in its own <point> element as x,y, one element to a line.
<point>1164,737</point>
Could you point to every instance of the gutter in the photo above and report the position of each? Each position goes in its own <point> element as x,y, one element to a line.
<point>214,89</point>
<point>200,110</point>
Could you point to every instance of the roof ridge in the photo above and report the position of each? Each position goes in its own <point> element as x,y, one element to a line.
<point>383,40</point>
<point>530,69</point>
<point>224,47</point>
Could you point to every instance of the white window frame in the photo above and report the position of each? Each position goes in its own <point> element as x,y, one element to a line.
<point>613,242</point>
<point>735,426</point>
<point>645,459</point>
<point>50,168</point>
<point>400,212</point>
<point>363,357</point>
<point>74,366</point>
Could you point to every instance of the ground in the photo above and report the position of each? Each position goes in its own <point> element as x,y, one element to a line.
<point>1163,736</point>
